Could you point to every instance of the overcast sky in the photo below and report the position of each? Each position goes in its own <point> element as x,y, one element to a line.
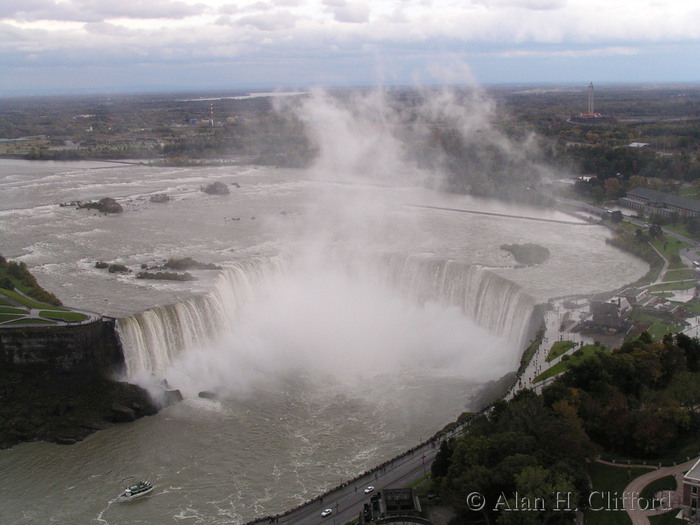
<point>100,45</point>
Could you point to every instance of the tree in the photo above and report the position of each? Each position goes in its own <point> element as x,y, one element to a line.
<point>655,230</point>
<point>613,188</point>
<point>616,216</point>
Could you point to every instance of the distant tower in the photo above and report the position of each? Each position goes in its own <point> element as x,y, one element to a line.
<point>211,112</point>
<point>590,98</point>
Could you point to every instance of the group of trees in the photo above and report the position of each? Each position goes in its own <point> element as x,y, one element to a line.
<point>638,401</point>
<point>11,272</point>
<point>522,446</point>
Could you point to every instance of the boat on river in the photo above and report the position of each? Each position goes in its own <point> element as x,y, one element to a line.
<point>142,488</point>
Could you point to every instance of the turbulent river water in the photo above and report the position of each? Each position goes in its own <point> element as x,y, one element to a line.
<point>346,325</point>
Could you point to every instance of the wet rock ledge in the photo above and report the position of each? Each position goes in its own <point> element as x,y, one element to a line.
<point>55,384</point>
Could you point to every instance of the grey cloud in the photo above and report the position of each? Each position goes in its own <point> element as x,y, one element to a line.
<point>536,5</point>
<point>350,12</point>
<point>97,10</point>
<point>269,22</point>
<point>142,9</point>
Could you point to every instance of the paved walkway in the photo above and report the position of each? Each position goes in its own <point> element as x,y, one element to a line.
<point>34,314</point>
<point>635,506</point>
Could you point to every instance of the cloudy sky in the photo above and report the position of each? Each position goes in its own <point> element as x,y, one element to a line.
<point>100,45</point>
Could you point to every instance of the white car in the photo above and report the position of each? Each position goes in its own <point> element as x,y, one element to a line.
<point>326,512</point>
<point>369,489</point>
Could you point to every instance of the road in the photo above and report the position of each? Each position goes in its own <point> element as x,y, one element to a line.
<point>347,502</point>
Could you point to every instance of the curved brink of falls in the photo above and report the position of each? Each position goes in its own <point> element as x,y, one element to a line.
<point>153,339</point>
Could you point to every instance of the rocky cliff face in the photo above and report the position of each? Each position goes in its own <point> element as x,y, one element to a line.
<point>56,383</point>
<point>92,347</point>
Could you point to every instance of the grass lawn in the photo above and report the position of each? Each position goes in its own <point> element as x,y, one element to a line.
<point>49,313</point>
<point>12,310</point>
<point>692,307</point>
<point>678,274</point>
<point>659,327</point>
<point>691,192</point>
<point>559,348</point>
<point>9,317</point>
<point>607,479</point>
<point>24,301</point>
<point>63,315</point>
<point>667,518</point>
<point>670,247</point>
<point>578,356</point>
<point>667,483</point>
<point>22,321</point>
<point>667,287</point>
<point>680,229</point>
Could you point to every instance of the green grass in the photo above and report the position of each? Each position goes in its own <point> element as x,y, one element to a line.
<point>424,481</point>
<point>670,247</point>
<point>659,326</point>
<point>9,317</point>
<point>667,518</point>
<point>63,315</point>
<point>607,479</point>
<point>691,192</point>
<point>662,484</point>
<point>681,230</point>
<point>16,314</point>
<point>678,274</point>
<point>668,287</point>
<point>22,321</point>
<point>559,348</point>
<point>12,310</point>
<point>659,329</point>
<point>692,307</point>
<point>24,301</point>
<point>562,366</point>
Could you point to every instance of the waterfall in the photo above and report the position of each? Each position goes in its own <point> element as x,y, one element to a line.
<point>152,339</point>
<point>492,301</point>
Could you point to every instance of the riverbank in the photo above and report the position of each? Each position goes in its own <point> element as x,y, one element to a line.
<point>38,404</point>
<point>56,383</point>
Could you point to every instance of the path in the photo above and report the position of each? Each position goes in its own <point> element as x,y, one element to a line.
<point>33,314</point>
<point>493,214</point>
<point>635,487</point>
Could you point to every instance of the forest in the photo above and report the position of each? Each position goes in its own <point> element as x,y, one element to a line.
<point>649,136</point>
<point>638,401</point>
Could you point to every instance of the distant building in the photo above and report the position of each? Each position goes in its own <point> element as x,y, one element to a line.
<point>659,203</point>
<point>639,145</point>
<point>395,506</point>
<point>691,490</point>
<point>610,313</point>
<point>635,295</point>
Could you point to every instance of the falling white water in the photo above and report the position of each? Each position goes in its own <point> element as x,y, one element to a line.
<point>342,317</point>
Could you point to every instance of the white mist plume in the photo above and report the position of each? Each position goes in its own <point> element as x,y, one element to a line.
<point>356,136</point>
<point>321,320</point>
<point>316,321</point>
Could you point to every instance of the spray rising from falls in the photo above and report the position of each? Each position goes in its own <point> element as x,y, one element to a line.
<point>153,339</point>
<point>349,316</point>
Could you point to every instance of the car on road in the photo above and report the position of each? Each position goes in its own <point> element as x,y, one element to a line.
<point>326,513</point>
<point>369,489</point>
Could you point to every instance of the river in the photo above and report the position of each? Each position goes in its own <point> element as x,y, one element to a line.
<point>349,324</point>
